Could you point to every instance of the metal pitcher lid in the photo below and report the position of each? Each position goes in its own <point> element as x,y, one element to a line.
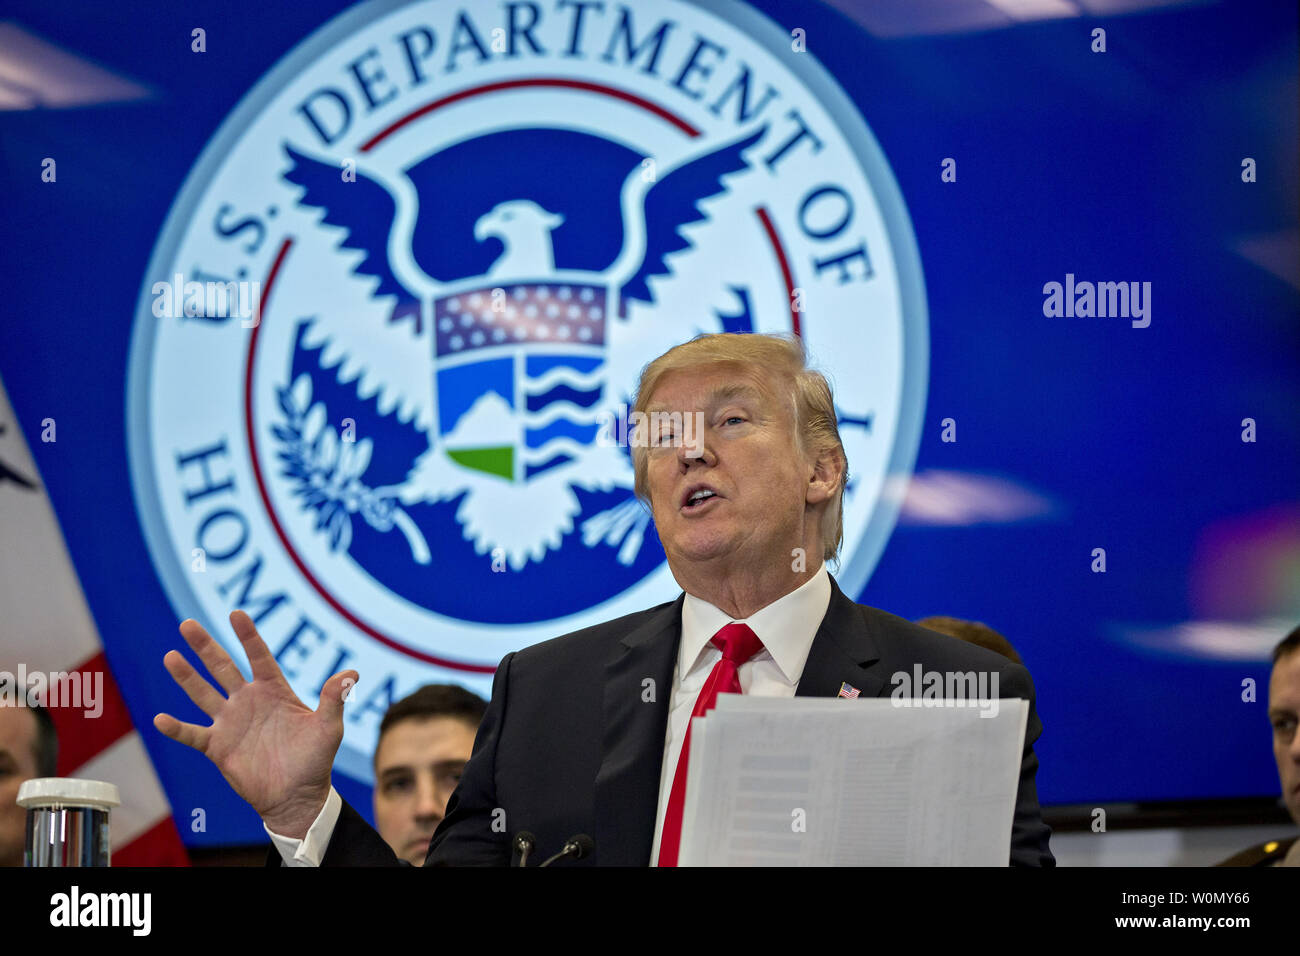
<point>68,792</point>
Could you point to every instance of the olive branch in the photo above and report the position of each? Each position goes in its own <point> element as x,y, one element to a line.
<point>326,472</point>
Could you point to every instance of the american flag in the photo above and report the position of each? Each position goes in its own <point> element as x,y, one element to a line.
<point>847,690</point>
<point>49,628</point>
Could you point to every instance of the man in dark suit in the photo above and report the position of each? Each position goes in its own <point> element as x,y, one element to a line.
<point>587,690</point>
<point>739,458</point>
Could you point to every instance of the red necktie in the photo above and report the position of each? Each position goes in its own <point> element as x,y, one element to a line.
<point>738,644</point>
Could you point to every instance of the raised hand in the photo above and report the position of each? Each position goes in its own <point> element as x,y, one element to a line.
<point>272,749</point>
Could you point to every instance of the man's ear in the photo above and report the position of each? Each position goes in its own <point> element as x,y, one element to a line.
<point>827,474</point>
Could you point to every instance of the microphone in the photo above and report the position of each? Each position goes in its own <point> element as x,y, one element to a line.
<point>525,842</point>
<point>576,846</point>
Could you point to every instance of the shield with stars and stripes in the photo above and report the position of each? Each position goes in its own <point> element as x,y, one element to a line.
<point>519,374</point>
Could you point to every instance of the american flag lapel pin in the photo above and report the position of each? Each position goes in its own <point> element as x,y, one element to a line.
<point>847,690</point>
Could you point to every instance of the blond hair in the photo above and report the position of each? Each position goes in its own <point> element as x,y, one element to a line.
<point>766,357</point>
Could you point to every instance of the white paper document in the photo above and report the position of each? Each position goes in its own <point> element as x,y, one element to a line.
<point>832,782</point>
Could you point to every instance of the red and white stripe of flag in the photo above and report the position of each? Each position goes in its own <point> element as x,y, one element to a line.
<point>48,628</point>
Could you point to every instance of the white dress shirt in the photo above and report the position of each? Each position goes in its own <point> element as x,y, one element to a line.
<point>786,627</point>
<point>310,850</point>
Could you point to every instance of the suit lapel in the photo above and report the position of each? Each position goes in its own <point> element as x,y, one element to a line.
<point>843,651</point>
<point>635,721</point>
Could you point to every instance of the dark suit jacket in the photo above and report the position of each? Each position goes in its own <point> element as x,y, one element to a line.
<point>570,745</point>
<point>1269,853</point>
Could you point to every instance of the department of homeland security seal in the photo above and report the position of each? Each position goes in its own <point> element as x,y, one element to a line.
<point>467,228</point>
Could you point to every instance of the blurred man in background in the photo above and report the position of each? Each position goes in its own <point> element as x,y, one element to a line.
<point>29,748</point>
<point>424,741</point>
<point>972,632</point>
<point>1283,714</point>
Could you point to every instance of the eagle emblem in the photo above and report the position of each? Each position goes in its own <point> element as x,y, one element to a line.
<point>506,339</point>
